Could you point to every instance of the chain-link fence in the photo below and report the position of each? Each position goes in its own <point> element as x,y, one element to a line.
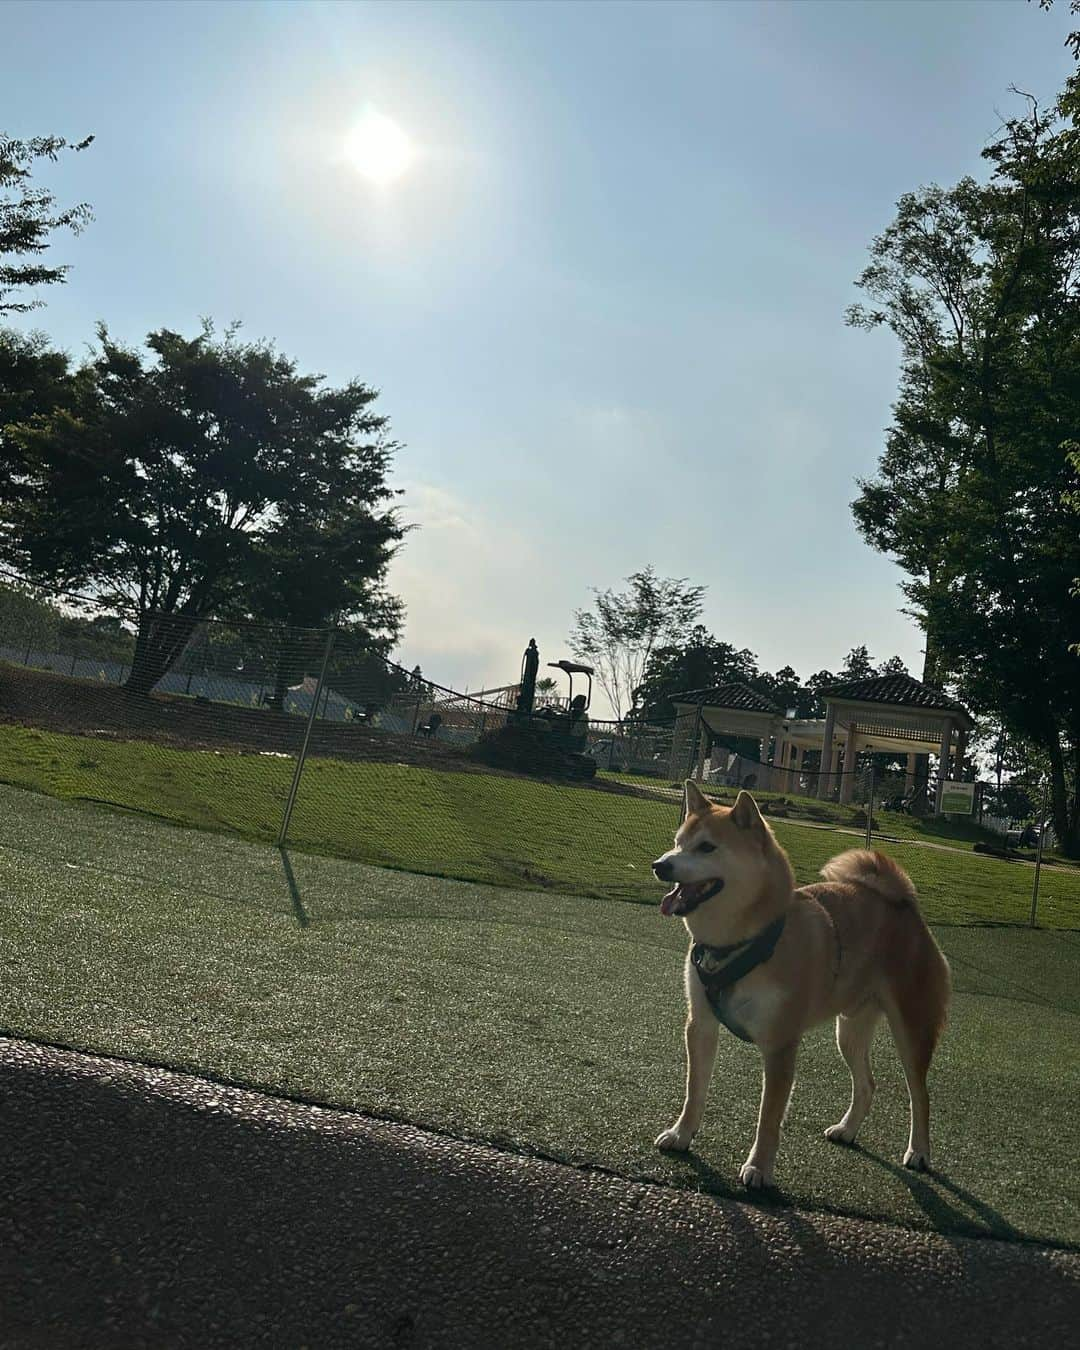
<point>309,736</point>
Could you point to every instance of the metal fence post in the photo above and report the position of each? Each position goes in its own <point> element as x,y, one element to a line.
<point>870,807</point>
<point>298,771</point>
<point>1038,855</point>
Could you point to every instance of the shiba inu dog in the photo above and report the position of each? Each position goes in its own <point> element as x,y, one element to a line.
<point>770,961</point>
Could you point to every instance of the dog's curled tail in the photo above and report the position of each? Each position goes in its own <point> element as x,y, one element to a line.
<point>869,868</point>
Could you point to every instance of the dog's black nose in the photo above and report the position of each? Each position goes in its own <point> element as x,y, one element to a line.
<point>664,869</point>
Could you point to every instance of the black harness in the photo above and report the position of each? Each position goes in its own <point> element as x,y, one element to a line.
<point>719,968</point>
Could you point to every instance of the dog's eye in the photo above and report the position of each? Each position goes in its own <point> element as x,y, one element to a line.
<point>706,847</point>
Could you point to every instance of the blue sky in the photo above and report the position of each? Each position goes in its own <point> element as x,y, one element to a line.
<point>604,307</point>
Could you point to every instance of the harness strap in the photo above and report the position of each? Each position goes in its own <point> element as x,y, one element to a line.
<point>719,968</point>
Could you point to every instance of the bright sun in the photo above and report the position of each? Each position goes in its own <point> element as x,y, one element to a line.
<point>379,149</point>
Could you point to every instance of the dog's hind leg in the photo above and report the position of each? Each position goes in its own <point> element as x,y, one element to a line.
<point>915,1045</point>
<point>853,1037</point>
<point>916,1002</point>
<point>702,1035</point>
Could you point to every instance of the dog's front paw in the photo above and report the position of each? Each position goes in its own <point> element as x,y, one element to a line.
<point>675,1140</point>
<point>918,1162</point>
<point>840,1134</point>
<point>754,1178</point>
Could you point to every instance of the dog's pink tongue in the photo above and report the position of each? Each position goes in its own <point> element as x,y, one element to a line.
<point>668,902</point>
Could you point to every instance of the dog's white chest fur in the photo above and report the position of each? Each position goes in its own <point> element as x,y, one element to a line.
<point>756,1010</point>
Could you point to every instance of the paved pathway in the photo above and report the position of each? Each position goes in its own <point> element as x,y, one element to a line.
<point>143,1208</point>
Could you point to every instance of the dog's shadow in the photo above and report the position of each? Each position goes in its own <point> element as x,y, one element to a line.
<point>721,1185</point>
<point>950,1209</point>
<point>971,1217</point>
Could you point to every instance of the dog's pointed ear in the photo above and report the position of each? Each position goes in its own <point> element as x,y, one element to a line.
<point>745,813</point>
<point>694,800</point>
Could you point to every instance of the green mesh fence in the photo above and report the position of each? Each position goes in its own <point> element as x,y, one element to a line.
<point>406,774</point>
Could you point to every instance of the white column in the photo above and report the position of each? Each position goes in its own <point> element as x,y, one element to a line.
<point>943,762</point>
<point>824,780</point>
<point>701,731</point>
<point>847,783</point>
<point>791,753</point>
<point>796,776</point>
<point>764,777</point>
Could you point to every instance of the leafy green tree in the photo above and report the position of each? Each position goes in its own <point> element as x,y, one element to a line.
<point>547,690</point>
<point>28,216</point>
<point>27,619</point>
<point>35,379</point>
<point>857,665</point>
<point>619,634</point>
<point>704,662</point>
<point>701,662</point>
<point>323,563</point>
<point>205,476</point>
<point>978,284</point>
<point>893,666</point>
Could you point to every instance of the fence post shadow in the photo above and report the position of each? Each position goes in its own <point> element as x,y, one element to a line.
<point>301,914</point>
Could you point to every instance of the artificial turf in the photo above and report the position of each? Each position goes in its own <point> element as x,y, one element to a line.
<point>546,1023</point>
<point>483,827</point>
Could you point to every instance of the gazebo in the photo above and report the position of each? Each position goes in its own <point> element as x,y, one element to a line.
<point>894,713</point>
<point>727,710</point>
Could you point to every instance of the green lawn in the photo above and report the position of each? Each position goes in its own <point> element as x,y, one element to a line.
<point>545,1023</point>
<point>957,831</point>
<point>477,826</point>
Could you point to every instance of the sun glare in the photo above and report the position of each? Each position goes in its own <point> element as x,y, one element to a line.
<point>379,149</point>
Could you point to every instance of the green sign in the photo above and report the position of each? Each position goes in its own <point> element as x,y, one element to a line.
<point>958,799</point>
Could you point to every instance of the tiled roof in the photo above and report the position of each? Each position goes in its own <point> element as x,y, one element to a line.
<point>739,696</point>
<point>899,690</point>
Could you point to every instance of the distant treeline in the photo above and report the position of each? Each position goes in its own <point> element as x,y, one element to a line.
<point>28,619</point>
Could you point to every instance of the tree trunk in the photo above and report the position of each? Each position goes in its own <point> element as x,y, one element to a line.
<point>1064,812</point>
<point>161,640</point>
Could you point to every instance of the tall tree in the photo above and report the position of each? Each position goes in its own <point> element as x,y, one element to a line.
<point>322,563</point>
<point>619,634</point>
<point>700,662</point>
<point>980,284</point>
<point>857,665</point>
<point>893,666</point>
<point>190,479</point>
<point>28,216</point>
<point>35,379</point>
